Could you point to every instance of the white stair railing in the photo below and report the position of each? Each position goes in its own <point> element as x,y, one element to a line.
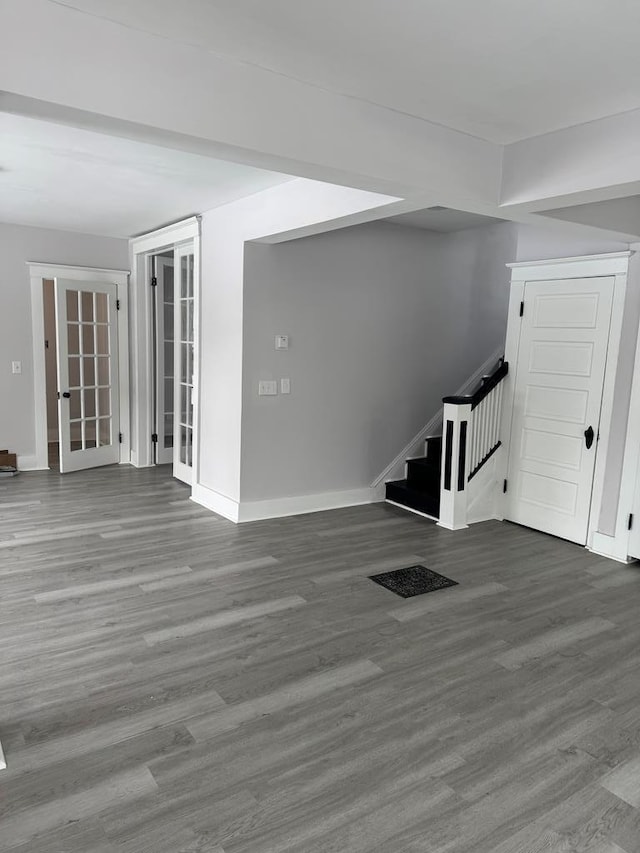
<point>471,435</point>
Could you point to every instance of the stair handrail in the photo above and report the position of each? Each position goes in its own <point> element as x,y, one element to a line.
<point>488,383</point>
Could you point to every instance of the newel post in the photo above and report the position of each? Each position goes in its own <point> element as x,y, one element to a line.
<point>455,465</point>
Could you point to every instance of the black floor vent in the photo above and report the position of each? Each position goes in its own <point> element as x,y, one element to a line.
<point>414,580</point>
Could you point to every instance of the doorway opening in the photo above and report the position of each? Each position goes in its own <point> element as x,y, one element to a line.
<point>163,357</point>
<point>165,302</point>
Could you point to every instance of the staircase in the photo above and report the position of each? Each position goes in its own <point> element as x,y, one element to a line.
<point>421,489</point>
<point>471,426</point>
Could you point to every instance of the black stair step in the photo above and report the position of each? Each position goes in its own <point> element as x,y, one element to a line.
<point>400,492</point>
<point>424,475</point>
<point>434,448</point>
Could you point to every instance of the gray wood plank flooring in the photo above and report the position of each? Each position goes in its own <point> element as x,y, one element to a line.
<point>173,683</point>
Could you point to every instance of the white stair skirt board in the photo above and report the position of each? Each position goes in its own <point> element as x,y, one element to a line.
<point>246,511</point>
<point>411,509</point>
<point>483,491</point>
<point>3,763</point>
<point>415,448</point>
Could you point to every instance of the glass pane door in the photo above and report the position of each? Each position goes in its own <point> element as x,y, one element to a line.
<point>88,404</point>
<point>184,363</point>
<point>165,357</point>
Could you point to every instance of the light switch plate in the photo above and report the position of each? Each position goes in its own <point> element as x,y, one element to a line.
<point>16,367</point>
<point>285,385</point>
<point>267,387</point>
<point>282,341</point>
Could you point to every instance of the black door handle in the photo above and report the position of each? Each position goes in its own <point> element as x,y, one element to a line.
<point>66,394</point>
<point>588,437</point>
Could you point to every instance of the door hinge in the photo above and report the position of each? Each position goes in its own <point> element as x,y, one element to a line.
<point>120,438</point>
<point>521,309</point>
<point>630,522</point>
<point>154,437</point>
<point>117,304</point>
<point>154,281</point>
<point>504,488</point>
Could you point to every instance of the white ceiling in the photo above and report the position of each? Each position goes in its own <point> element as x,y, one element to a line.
<point>54,176</point>
<point>443,220</point>
<point>499,69</point>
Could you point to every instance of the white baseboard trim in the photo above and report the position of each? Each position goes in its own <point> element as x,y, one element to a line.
<point>301,504</point>
<point>278,507</point>
<point>608,546</point>
<point>30,463</point>
<point>452,526</point>
<point>220,504</point>
<point>624,560</point>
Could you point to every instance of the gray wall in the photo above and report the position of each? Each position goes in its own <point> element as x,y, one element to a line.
<point>537,243</point>
<point>383,322</point>
<point>475,263</point>
<point>17,245</point>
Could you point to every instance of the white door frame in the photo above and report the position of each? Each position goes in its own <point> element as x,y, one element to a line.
<point>612,265</point>
<point>142,248</point>
<point>617,545</point>
<point>37,273</point>
<point>180,470</point>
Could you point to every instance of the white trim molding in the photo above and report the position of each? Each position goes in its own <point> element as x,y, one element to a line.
<point>74,272</point>
<point>302,504</point>
<point>587,266</point>
<point>178,232</point>
<point>214,501</point>
<point>31,463</point>
<point>247,511</point>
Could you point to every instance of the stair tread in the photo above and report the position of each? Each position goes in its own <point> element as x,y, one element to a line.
<point>405,494</point>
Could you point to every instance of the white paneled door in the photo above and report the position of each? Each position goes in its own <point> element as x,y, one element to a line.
<point>558,386</point>
<point>88,398</point>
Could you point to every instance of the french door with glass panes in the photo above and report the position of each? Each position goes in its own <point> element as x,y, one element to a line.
<point>184,326</point>
<point>87,365</point>
<point>165,358</point>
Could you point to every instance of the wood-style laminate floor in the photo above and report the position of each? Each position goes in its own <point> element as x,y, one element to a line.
<point>172,683</point>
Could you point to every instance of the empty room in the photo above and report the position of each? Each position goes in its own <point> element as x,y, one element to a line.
<point>320,427</point>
